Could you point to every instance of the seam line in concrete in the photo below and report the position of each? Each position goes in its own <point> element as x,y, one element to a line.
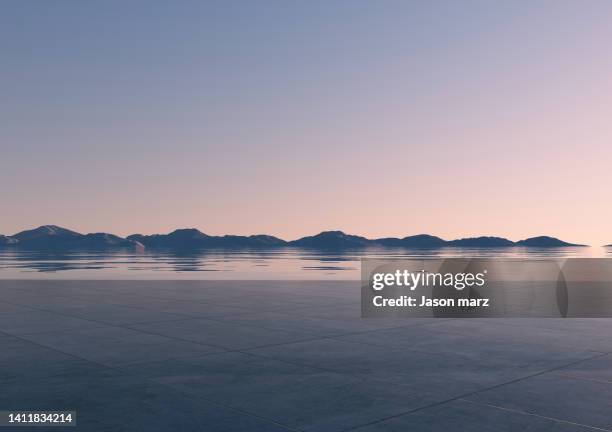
<point>471,393</point>
<point>527,413</point>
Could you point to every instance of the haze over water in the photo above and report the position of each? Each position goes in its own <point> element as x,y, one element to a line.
<point>279,264</point>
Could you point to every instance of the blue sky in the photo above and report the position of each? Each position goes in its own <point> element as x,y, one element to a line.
<point>377,117</point>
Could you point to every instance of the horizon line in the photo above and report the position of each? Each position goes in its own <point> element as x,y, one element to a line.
<point>302,237</point>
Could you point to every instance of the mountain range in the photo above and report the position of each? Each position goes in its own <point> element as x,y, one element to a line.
<point>52,237</point>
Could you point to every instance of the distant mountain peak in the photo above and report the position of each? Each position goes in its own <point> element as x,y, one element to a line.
<point>332,240</point>
<point>483,241</point>
<point>330,233</point>
<point>188,232</point>
<point>544,241</point>
<point>194,239</point>
<point>418,241</point>
<point>45,231</point>
<point>54,237</point>
<point>53,230</point>
<point>424,236</point>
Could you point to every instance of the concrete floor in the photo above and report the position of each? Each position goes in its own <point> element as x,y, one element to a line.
<point>289,356</point>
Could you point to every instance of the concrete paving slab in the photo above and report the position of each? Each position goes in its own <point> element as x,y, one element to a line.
<point>558,397</point>
<point>184,308</point>
<point>596,339</point>
<point>470,417</point>
<point>295,322</point>
<point>33,321</point>
<point>114,346</point>
<point>27,361</point>
<point>220,334</point>
<point>443,373</point>
<point>474,348</point>
<point>121,403</point>
<point>597,369</point>
<point>117,314</point>
<point>302,397</point>
<point>12,308</point>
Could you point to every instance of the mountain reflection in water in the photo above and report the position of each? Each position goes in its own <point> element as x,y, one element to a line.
<point>284,263</point>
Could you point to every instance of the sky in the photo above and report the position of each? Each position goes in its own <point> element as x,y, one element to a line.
<point>378,118</point>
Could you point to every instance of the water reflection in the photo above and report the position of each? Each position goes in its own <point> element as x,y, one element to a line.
<point>286,263</point>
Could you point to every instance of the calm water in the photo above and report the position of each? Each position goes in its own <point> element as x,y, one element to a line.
<point>272,264</point>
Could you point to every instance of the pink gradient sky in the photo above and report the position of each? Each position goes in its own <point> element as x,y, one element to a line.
<point>377,118</point>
